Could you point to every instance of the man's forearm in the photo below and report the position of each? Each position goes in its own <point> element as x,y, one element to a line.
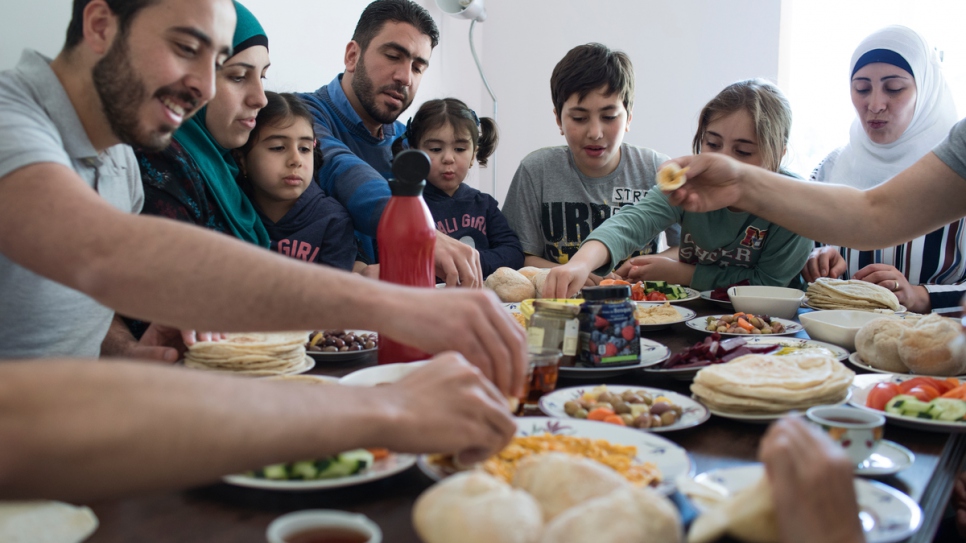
<point>118,340</point>
<point>92,429</point>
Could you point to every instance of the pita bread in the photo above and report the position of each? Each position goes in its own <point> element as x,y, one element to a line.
<point>623,515</point>
<point>45,522</point>
<point>671,177</point>
<point>877,342</point>
<point>558,481</point>
<point>257,354</point>
<point>748,515</point>
<point>827,293</point>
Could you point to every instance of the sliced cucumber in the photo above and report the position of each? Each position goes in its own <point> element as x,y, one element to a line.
<point>903,404</point>
<point>304,470</point>
<point>348,463</point>
<point>948,409</point>
<point>275,471</point>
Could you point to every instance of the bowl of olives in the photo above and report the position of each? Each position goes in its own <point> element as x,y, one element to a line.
<point>341,344</point>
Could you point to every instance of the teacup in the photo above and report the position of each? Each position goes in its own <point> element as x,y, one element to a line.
<point>858,432</point>
<point>323,525</point>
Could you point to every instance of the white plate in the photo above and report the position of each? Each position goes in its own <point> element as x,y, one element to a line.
<point>684,314</point>
<point>686,374</point>
<point>888,458</point>
<point>344,355</point>
<point>670,459</point>
<point>652,353</point>
<point>512,307</point>
<point>701,323</point>
<point>861,386</point>
<point>766,418</point>
<point>691,295</point>
<point>694,413</point>
<point>706,295</point>
<point>887,515</point>
<point>858,362</point>
<point>391,465</point>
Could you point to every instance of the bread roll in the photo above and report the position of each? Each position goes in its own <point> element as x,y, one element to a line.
<point>475,507</point>
<point>558,481</point>
<point>622,516</point>
<point>529,271</point>
<point>925,347</point>
<point>510,285</point>
<point>878,344</point>
<point>538,281</point>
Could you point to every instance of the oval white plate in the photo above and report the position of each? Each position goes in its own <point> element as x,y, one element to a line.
<point>686,374</point>
<point>691,295</point>
<point>391,465</point>
<point>887,515</point>
<point>652,353</point>
<point>706,295</point>
<point>344,355</point>
<point>684,314</point>
<point>694,413</point>
<point>861,386</point>
<point>701,323</point>
<point>669,458</point>
<point>888,458</point>
<point>766,417</point>
<point>860,363</point>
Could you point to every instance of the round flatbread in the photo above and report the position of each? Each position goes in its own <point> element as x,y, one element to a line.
<point>827,293</point>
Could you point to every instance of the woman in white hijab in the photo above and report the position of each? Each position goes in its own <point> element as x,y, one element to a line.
<point>904,108</point>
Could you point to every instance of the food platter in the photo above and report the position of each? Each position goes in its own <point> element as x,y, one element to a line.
<point>684,314</point>
<point>652,353</point>
<point>701,323</point>
<point>767,417</point>
<point>860,392</point>
<point>887,515</point>
<point>706,295</point>
<point>386,467</point>
<point>694,413</point>
<point>686,374</point>
<point>856,360</point>
<point>670,459</point>
<point>343,356</point>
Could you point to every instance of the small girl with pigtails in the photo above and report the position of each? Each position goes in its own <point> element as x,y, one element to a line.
<point>453,136</point>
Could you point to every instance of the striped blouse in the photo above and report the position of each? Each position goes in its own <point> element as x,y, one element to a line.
<point>935,261</point>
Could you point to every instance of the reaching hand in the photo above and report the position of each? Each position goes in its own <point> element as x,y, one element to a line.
<point>449,407</point>
<point>811,481</point>
<point>190,337</point>
<point>659,268</point>
<point>457,263</point>
<point>159,343</point>
<point>914,297</point>
<point>824,262</point>
<point>565,281</point>
<point>712,183</point>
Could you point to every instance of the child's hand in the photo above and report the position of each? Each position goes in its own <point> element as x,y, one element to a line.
<point>659,268</point>
<point>565,281</point>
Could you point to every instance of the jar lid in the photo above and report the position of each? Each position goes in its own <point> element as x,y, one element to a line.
<point>606,293</point>
<point>556,306</point>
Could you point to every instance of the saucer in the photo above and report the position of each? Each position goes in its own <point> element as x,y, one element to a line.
<point>887,458</point>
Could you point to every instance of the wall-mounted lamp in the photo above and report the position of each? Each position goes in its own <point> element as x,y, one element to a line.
<point>473,9</point>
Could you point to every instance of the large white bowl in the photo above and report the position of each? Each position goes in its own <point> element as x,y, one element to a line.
<point>377,375</point>
<point>778,302</point>
<point>838,326</point>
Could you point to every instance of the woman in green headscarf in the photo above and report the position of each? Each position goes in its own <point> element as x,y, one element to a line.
<point>193,180</point>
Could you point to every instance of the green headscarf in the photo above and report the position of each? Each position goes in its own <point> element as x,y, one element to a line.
<point>217,166</point>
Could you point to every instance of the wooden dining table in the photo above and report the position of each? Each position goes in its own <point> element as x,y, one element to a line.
<point>224,513</point>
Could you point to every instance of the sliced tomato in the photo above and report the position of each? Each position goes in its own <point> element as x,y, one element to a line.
<point>880,395</point>
<point>656,296</point>
<point>637,292</point>
<point>940,385</point>
<point>924,393</point>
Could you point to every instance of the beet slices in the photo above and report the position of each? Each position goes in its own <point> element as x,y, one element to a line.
<point>714,350</point>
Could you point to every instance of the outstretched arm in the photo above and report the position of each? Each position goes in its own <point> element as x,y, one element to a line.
<point>183,276</point>
<point>86,430</point>
<point>925,196</point>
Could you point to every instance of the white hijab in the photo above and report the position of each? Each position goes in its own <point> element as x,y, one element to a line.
<point>863,163</point>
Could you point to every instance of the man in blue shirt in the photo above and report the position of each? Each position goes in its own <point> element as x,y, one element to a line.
<point>355,120</point>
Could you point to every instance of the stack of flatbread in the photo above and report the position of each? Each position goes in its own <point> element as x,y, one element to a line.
<point>828,293</point>
<point>256,354</point>
<point>768,384</point>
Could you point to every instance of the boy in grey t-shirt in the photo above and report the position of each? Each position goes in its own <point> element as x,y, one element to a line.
<point>559,195</point>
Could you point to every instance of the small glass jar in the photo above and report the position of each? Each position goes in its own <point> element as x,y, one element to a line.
<point>609,333</point>
<point>554,325</point>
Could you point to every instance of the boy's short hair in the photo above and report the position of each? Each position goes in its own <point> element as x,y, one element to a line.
<point>586,68</point>
<point>378,13</point>
<point>124,9</point>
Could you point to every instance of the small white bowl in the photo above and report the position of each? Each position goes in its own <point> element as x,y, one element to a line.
<point>285,526</point>
<point>838,326</point>
<point>778,302</point>
<point>377,375</point>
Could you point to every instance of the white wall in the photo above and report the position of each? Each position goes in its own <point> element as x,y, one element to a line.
<point>684,52</point>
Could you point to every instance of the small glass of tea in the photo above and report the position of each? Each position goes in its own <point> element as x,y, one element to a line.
<point>323,526</point>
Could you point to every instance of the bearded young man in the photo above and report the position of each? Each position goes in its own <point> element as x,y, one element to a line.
<point>355,119</point>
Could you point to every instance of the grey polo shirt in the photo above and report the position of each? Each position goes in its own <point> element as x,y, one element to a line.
<point>38,317</point>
